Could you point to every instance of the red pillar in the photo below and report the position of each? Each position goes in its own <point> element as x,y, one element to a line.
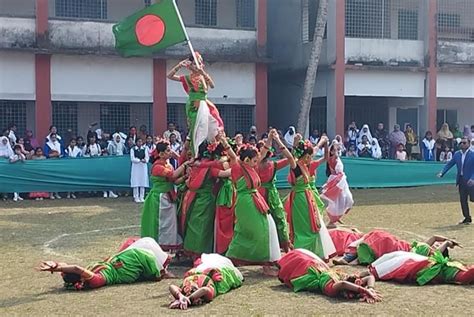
<point>43,108</point>
<point>160,110</point>
<point>261,84</point>
<point>340,65</point>
<point>432,67</point>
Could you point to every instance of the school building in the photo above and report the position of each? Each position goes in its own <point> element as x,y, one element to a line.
<point>391,61</point>
<point>58,65</point>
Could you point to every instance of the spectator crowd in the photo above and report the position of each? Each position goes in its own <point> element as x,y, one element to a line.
<point>139,143</point>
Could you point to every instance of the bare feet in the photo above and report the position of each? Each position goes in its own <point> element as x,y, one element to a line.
<point>270,271</point>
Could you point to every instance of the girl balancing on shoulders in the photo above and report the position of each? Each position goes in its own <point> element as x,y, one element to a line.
<point>267,172</point>
<point>159,213</point>
<point>204,120</point>
<point>212,275</point>
<point>307,228</point>
<point>302,270</point>
<point>140,260</point>
<point>255,239</point>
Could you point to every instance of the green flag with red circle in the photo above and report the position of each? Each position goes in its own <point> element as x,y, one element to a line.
<point>152,29</point>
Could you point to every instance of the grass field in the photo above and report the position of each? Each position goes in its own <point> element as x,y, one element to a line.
<point>85,230</point>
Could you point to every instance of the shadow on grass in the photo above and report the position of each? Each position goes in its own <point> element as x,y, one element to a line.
<point>16,301</point>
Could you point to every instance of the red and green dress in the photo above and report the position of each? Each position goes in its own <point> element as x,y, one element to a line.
<point>379,242</point>
<point>224,221</point>
<point>267,173</point>
<point>159,212</point>
<point>307,228</point>
<point>198,210</point>
<point>255,237</point>
<point>302,270</point>
<point>405,267</point>
<point>205,121</point>
<point>142,260</point>
<point>213,271</point>
<point>342,238</point>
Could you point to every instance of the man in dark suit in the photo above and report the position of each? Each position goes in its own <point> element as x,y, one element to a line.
<point>464,161</point>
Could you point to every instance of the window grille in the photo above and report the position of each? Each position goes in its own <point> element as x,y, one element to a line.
<point>86,9</point>
<point>446,116</point>
<point>386,19</point>
<point>114,116</point>
<point>177,115</point>
<point>245,13</point>
<point>147,3</point>
<point>65,117</point>
<point>456,20</point>
<point>206,12</point>
<point>318,115</point>
<point>12,111</point>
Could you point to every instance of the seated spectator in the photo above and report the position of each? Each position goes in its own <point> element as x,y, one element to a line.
<point>129,144</point>
<point>73,151</point>
<point>412,141</point>
<point>401,155</point>
<point>149,145</point>
<point>6,150</point>
<point>175,147</point>
<point>341,148</point>
<point>289,137</point>
<point>351,152</point>
<point>445,135</point>
<point>364,149</point>
<point>172,129</point>
<point>143,133</point>
<point>21,143</point>
<point>17,156</point>
<point>12,133</point>
<point>427,147</point>
<point>252,140</point>
<point>382,137</point>
<point>29,138</point>
<point>314,137</point>
<point>352,134</point>
<point>38,155</point>
<point>104,143</point>
<point>365,131</point>
<point>93,149</point>
<point>116,146</point>
<point>396,137</point>
<point>446,155</point>
<point>252,133</point>
<point>376,150</point>
<point>53,148</point>
<point>53,130</point>
<point>132,134</point>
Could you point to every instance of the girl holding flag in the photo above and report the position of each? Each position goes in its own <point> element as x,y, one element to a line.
<point>204,120</point>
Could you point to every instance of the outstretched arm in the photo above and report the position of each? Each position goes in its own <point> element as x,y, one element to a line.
<point>369,295</point>
<point>286,153</point>
<point>51,266</point>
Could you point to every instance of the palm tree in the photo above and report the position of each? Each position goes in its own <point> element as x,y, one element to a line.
<point>312,66</point>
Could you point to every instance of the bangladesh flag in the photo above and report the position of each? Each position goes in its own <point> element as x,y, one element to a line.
<point>150,30</point>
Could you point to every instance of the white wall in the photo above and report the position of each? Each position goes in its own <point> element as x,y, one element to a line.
<point>91,78</point>
<point>385,50</point>
<point>17,76</point>
<point>236,81</point>
<point>384,83</point>
<point>17,7</point>
<point>456,85</point>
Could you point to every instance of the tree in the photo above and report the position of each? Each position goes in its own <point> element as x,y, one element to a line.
<point>315,55</point>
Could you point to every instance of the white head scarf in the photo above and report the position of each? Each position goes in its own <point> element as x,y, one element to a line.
<point>367,133</point>
<point>290,138</point>
<point>55,146</point>
<point>376,150</point>
<point>120,145</point>
<point>5,149</point>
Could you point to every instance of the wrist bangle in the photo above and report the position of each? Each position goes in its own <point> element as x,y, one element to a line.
<point>266,147</point>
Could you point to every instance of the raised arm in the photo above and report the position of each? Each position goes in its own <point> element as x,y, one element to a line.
<point>233,157</point>
<point>207,78</point>
<point>172,73</point>
<point>286,153</point>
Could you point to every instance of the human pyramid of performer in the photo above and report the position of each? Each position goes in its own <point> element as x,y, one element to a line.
<point>222,209</point>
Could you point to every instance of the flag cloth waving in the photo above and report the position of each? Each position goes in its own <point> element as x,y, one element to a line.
<point>150,30</point>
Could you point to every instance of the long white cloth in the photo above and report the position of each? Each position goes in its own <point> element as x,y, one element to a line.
<point>205,128</point>
<point>366,133</point>
<point>150,244</point>
<point>329,249</point>
<point>5,149</point>
<point>217,261</point>
<point>376,150</point>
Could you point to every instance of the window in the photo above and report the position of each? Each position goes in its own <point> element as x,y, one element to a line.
<point>367,19</point>
<point>86,9</point>
<point>309,13</point>
<point>407,25</point>
<point>206,12</point>
<point>448,116</point>
<point>114,116</point>
<point>318,115</point>
<point>13,112</point>
<point>147,3</point>
<point>246,13</point>
<point>449,20</point>
<point>65,117</point>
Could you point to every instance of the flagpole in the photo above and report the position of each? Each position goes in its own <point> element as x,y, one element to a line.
<point>190,45</point>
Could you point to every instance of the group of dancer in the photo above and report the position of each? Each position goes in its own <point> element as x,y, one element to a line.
<point>222,209</point>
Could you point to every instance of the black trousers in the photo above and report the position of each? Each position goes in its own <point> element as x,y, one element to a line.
<point>465,192</point>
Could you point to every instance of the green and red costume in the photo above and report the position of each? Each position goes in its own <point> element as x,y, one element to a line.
<point>224,221</point>
<point>159,213</point>
<point>255,237</point>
